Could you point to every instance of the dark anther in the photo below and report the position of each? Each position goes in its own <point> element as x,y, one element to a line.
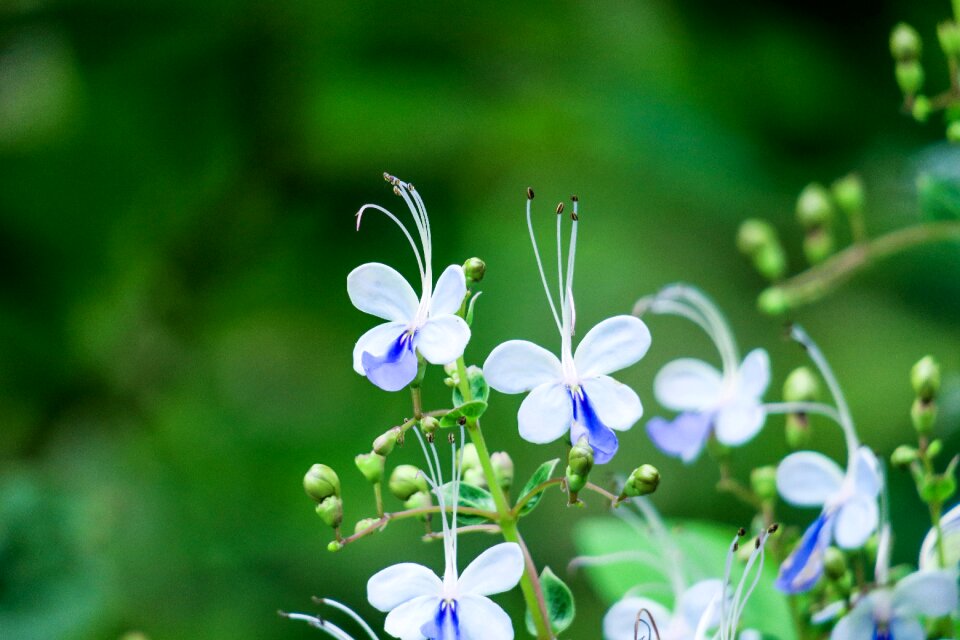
<point>430,438</point>
<point>741,532</point>
<point>736,547</point>
<point>773,528</point>
<point>574,216</point>
<point>462,420</point>
<point>529,193</point>
<point>575,198</point>
<point>559,208</point>
<point>452,439</point>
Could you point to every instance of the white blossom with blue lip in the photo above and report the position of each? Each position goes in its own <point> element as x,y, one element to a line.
<point>428,324</point>
<point>727,403</point>
<point>573,393</point>
<point>420,605</point>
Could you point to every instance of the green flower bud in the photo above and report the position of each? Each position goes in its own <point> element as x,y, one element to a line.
<point>814,208</point>
<point>904,42</point>
<point>923,415</point>
<point>331,511</point>
<point>419,500</point>
<point>763,481</point>
<point>406,480</point>
<point>321,482</point>
<point>801,385</point>
<point>753,235</point>
<point>385,442</point>
<point>925,378</point>
<point>909,76</point>
<point>502,469</point>
<point>580,458</point>
<point>575,483</point>
<point>818,245</point>
<point>474,269</point>
<point>773,301</point>
<point>469,458</point>
<point>334,546</point>
<point>366,523</point>
<point>643,481</point>
<point>475,477</point>
<point>948,33</point>
<point>953,132</point>
<point>921,108</point>
<point>371,466</point>
<point>848,193</point>
<point>834,563</point>
<point>903,456</point>
<point>935,448</point>
<point>797,431</point>
<point>429,426</point>
<point>771,262</point>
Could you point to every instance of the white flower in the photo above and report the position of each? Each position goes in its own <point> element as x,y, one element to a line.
<point>573,393</point>
<point>621,620</point>
<point>419,604</point>
<point>892,614</point>
<point>849,509</point>
<point>428,324</point>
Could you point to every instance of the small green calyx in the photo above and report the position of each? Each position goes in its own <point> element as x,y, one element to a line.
<point>763,481</point>
<point>925,378</point>
<point>903,456</point>
<point>948,33</point>
<point>905,42</point>
<point>331,511</point>
<point>801,385</point>
<point>474,269</point>
<point>757,239</point>
<point>773,301</point>
<point>371,466</point>
<point>502,469</point>
<point>818,245</point>
<point>386,441</point>
<point>321,482</point>
<point>923,415</point>
<point>834,563</point>
<point>643,481</point>
<point>921,109</point>
<point>406,480</point>
<point>797,431</point>
<point>429,426</point>
<point>909,76</point>
<point>366,523</point>
<point>814,208</point>
<point>848,193</point>
<point>334,546</point>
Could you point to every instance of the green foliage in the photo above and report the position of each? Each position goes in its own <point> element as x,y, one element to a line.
<point>470,496</point>
<point>467,410</point>
<point>542,474</point>
<point>479,389</point>
<point>939,196</point>
<point>559,600</point>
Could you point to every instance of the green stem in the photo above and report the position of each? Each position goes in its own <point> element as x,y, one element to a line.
<point>378,496</point>
<point>956,10</point>
<point>530,582</point>
<point>412,513</point>
<point>818,281</point>
<point>546,484</point>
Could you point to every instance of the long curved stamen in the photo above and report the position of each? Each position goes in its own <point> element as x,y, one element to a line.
<point>640,557</point>
<point>536,254</point>
<point>413,245</point>
<point>885,545</point>
<point>426,223</point>
<point>728,567</point>
<point>404,190</point>
<point>350,612</point>
<point>572,251</point>
<point>319,623</point>
<point>560,253</point>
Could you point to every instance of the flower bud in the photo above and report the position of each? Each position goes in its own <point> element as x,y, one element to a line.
<point>948,33</point>
<point>469,458</point>
<point>801,386</point>
<point>921,108</point>
<point>773,301</point>
<point>848,193</point>
<point>321,482</point>
<point>371,466</point>
<point>935,448</point>
<point>834,563</point>
<point>925,378</point>
<point>903,456</point>
<point>909,76</point>
<point>429,426</point>
<point>953,132</point>
<point>475,477</point>
<point>406,480</point>
<point>580,458</point>
<point>419,500</point>
<point>814,208</point>
<point>474,269</point>
<point>904,42</point>
<point>502,469</point>
<point>758,240</point>
<point>366,523</point>
<point>763,481</point>
<point>818,245</point>
<point>335,545</point>
<point>797,431</point>
<point>575,483</point>
<point>923,415</point>
<point>331,511</point>
<point>385,442</point>
<point>643,481</point>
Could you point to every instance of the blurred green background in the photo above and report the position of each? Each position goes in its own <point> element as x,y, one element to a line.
<point>177,188</point>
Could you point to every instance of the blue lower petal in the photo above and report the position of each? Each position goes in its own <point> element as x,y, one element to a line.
<point>803,568</point>
<point>882,634</point>
<point>445,624</point>
<point>395,369</point>
<point>586,423</point>
<point>682,438</point>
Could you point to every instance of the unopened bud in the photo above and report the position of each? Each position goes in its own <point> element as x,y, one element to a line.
<point>763,481</point>
<point>429,426</point>
<point>331,511</point>
<point>419,500</point>
<point>925,378</point>
<point>406,480</point>
<point>921,108</point>
<point>948,33</point>
<point>834,563</point>
<point>643,481</point>
<point>818,245</point>
<point>469,458</point>
<point>502,469</point>
<point>935,448</point>
<point>366,523</point>
<point>923,415</point>
<point>371,466</point>
<point>773,301</point>
<point>386,441</point>
<point>801,385</point>
<point>321,482</point>
<point>771,262</point>
<point>904,42</point>
<point>903,456</point>
<point>575,483</point>
<point>909,76</point>
<point>335,545</point>
<point>953,132</point>
<point>757,239</point>
<point>580,458</point>
<point>797,431</point>
<point>474,269</point>
<point>814,208</point>
<point>848,193</point>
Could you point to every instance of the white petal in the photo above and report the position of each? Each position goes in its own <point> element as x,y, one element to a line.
<point>379,290</point>
<point>738,422</point>
<point>399,583</point>
<point>907,629</point>
<point>614,344</point>
<point>687,385</point>
<point>518,365</point>
<point>376,341</point>
<point>405,621</point>
<point>856,521</point>
<point>867,479</point>
<point>808,479</point>
<point>950,524</point>
<point>696,600</point>
<point>929,593</point>
<point>496,570</point>
<point>616,404</point>
<point>858,624</point>
<point>545,414</point>
<point>482,619</point>
<point>754,374</point>
<point>450,291</point>
<point>442,339</point>
<point>619,622</point>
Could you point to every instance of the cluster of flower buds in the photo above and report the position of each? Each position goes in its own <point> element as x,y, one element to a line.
<point>323,486</point>
<point>579,464</point>
<point>409,485</point>
<point>801,385</point>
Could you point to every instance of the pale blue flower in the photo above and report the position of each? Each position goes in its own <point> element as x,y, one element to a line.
<point>428,324</point>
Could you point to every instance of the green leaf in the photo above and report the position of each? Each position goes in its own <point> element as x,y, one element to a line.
<point>472,409</point>
<point>542,474</point>
<point>939,196</point>
<point>703,547</point>
<point>470,496</point>
<point>559,601</point>
<point>479,390</point>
